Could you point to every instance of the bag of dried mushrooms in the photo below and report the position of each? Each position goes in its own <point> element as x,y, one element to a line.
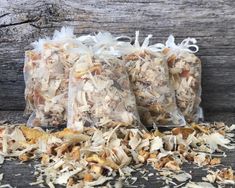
<point>46,73</point>
<point>99,88</point>
<point>149,76</point>
<point>185,75</point>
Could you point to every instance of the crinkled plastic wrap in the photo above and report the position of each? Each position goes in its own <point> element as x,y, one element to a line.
<point>46,74</point>
<point>185,74</point>
<point>154,94</point>
<point>100,95</point>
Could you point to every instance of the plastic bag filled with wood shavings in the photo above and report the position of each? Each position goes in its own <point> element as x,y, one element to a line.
<point>185,74</point>
<point>46,73</point>
<point>149,78</point>
<point>99,91</point>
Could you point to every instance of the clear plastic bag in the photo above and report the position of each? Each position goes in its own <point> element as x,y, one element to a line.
<point>46,73</point>
<point>149,78</point>
<point>99,94</point>
<point>185,75</point>
<point>99,90</point>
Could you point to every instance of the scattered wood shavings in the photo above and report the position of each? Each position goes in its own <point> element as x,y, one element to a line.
<point>6,186</point>
<point>1,177</point>
<point>99,181</point>
<point>199,185</point>
<point>223,176</point>
<point>2,159</point>
<point>36,183</point>
<point>182,177</point>
<point>97,155</point>
<point>216,139</point>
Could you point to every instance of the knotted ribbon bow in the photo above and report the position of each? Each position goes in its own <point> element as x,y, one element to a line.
<point>187,45</point>
<point>158,47</point>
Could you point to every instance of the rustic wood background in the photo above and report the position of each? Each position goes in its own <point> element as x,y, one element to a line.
<point>211,22</point>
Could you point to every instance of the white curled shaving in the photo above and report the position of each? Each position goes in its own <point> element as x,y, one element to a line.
<point>188,44</point>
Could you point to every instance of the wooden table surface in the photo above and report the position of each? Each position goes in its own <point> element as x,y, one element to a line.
<point>211,22</point>
<point>13,168</point>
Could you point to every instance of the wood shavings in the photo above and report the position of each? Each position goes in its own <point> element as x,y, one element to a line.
<point>173,165</point>
<point>162,162</point>
<point>6,186</point>
<point>75,153</point>
<point>156,144</point>
<point>46,72</point>
<point>83,81</point>
<point>150,82</point>
<point>216,139</point>
<point>97,169</point>
<point>99,181</point>
<point>185,74</point>
<point>5,141</point>
<point>118,184</point>
<point>232,127</point>
<point>2,159</point>
<point>50,184</point>
<point>45,159</point>
<point>200,128</point>
<point>63,178</point>
<point>223,176</point>
<point>111,102</point>
<point>182,177</point>
<point>184,131</point>
<point>36,183</point>
<point>198,185</point>
<point>66,133</point>
<point>133,180</point>
<point>99,160</point>
<point>1,177</point>
<point>215,161</point>
<point>105,153</point>
<point>24,157</point>
<point>32,135</point>
<point>88,177</point>
<point>200,159</point>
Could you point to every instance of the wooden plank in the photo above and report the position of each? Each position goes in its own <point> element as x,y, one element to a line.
<point>18,117</point>
<point>13,168</point>
<point>12,117</point>
<point>212,22</point>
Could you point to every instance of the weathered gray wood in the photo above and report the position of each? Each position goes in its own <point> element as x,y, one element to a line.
<point>212,22</point>
<point>13,168</point>
<point>12,117</point>
<point>17,117</point>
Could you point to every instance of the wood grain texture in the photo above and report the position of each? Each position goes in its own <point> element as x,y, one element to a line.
<point>17,117</point>
<point>13,168</point>
<point>212,22</point>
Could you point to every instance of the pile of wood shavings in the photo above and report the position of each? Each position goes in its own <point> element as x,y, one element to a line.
<point>98,156</point>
